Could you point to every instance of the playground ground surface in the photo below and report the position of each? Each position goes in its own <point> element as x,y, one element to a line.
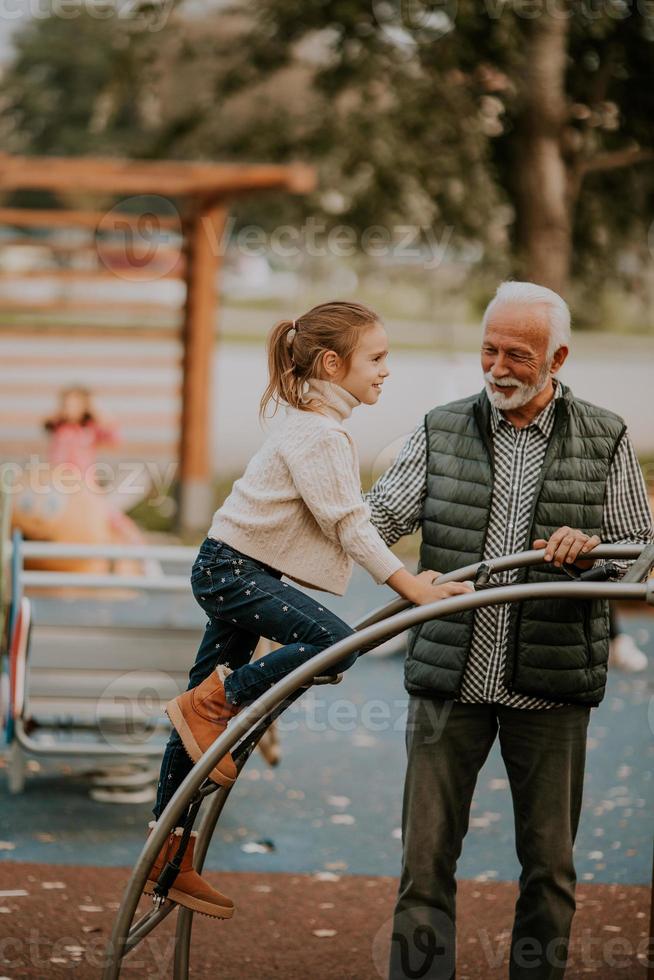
<point>296,927</point>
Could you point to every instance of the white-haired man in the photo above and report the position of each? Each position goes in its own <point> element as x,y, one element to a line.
<point>523,463</point>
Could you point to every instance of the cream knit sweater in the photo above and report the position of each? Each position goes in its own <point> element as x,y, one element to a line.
<point>299,508</point>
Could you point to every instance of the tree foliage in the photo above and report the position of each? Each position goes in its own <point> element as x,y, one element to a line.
<point>413,112</point>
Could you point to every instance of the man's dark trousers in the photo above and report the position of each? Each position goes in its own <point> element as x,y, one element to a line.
<point>544,753</point>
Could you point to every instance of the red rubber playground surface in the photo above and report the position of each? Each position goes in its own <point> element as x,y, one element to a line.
<point>299,927</point>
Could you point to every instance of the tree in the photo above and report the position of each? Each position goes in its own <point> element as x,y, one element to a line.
<point>521,126</point>
<point>464,107</point>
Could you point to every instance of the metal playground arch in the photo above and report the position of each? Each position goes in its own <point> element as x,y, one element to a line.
<point>247,727</point>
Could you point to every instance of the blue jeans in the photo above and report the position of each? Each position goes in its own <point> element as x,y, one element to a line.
<point>244,600</point>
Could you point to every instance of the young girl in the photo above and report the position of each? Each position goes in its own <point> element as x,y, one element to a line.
<point>76,433</point>
<point>297,511</point>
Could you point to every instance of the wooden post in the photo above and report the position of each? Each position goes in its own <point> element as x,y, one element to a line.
<point>203,245</point>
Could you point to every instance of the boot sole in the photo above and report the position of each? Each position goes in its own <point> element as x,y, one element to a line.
<point>193,750</point>
<point>195,904</point>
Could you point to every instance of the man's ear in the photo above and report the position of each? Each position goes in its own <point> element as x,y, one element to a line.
<point>559,359</point>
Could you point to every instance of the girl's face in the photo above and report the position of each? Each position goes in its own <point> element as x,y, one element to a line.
<point>367,370</point>
<point>74,404</point>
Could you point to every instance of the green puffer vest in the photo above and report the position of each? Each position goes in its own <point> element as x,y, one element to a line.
<point>558,648</point>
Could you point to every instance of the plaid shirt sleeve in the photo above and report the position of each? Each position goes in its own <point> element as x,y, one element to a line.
<point>627,518</point>
<point>396,500</point>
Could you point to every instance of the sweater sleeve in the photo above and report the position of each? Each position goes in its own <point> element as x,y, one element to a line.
<point>324,469</point>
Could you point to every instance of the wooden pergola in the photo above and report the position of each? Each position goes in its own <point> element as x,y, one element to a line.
<point>201,193</point>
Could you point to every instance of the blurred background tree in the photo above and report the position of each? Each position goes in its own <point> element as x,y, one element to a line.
<point>518,131</point>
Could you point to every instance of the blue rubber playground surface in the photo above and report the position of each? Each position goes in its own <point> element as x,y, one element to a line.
<point>333,804</point>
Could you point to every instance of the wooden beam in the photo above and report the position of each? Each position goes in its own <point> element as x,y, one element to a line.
<point>169,178</point>
<point>133,307</point>
<point>203,263</point>
<point>60,218</point>
<point>88,245</point>
<point>102,274</point>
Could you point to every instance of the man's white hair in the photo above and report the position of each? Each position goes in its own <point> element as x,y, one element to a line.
<point>531,294</point>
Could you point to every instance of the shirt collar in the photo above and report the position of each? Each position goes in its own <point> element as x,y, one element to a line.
<point>335,401</point>
<point>544,421</point>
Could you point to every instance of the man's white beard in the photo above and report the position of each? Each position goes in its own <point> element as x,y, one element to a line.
<point>523,393</point>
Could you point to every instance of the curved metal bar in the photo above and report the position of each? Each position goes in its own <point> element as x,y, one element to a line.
<point>503,564</point>
<point>51,580</point>
<point>321,662</point>
<point>175,553</point>
<point>146,924</point>
<point>205,833</point>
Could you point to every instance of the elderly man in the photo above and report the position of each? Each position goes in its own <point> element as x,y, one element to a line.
<point>523,463</point>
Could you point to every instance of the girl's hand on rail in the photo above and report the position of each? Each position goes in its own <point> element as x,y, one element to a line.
<point>422,588</point>
<point>428,589</point>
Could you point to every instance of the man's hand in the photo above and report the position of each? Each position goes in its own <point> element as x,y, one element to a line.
<point>567,544</point>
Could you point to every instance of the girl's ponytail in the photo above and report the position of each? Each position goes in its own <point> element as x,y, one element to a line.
<point>296,347</point>
<point>282,384</point>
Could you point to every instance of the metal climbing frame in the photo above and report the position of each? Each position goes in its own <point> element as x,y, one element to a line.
<point>249,725</point>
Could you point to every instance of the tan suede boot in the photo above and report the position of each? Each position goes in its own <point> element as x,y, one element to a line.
<point>190,888</point>
<point>200,716</point>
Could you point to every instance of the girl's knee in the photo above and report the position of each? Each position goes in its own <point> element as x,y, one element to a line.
<point>350,658</point>
<point>346,662</point>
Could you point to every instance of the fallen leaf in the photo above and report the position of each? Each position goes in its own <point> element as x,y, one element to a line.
<point>258,847</point>
<point>324,933</point>
<point>338,800</point>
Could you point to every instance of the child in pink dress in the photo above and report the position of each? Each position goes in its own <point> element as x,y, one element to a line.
<point>76,433</point>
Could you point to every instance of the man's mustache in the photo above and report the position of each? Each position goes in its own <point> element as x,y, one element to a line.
<point>503,382</point>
